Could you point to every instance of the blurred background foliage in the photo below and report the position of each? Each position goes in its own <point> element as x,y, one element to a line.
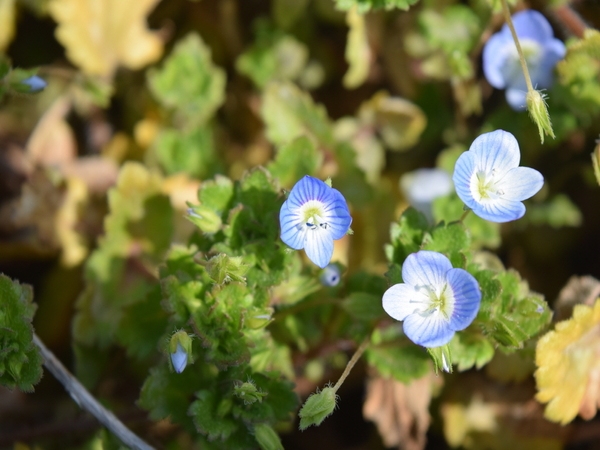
<point>152,106</point>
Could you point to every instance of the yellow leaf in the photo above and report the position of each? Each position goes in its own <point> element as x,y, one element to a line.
<point>358,52</point>
<point>7,22</point>
<point>100,35</point>
<point>568,361</point>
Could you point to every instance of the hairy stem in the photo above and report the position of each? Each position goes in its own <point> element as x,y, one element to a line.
<point>357,354</point>
<point>86,401</point>
<point>509,22</point>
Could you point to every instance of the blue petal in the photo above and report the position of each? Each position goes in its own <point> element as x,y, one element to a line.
<point>179,359</point>
<point>530,24</point>
<point>338,217</point>
<point>496,51</point>
<point>400,301</point>
<point>542,74</point>
<point>425,268</point>
<point>467,298</point>
<point>464,169</point>
<point>293,233</point>
<point>500,210</point>
<point>521,183</point>
<point>498,150</point>
<point>429,331</point>
<point>319,247</point>
<point>306,189</point>
<point>516,97</point>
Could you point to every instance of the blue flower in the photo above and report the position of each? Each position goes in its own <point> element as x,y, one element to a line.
<point>313,216</point>
<point>542,51</point>
<point>34,83</point>
<point>435,299</point>
<point>489,181</point>
<point>422,186</point>
<point>330,276</point>
<point>179,359</point>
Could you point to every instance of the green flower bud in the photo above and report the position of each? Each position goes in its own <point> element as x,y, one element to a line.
<point>441,358</point>
<point>266,437</point>
<point>224,269</point>
<point>538,111</point>
<point>204,218</point>
<point>249,393</point>
<point>317,408</point>
<point>259,318</point>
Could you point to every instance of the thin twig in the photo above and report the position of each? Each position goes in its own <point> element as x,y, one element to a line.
<point>351,363</point>
<point>86,401</point>
<point>522,59</point>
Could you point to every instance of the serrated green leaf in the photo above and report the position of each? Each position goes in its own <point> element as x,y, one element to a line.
<point>470,349</point>
<point>20,359</point>
<point>209,418</point>
<point>294,160</point>
<point>189,82</point>
<point>451,239</point>
<point>399,361</point>
<point>406,235</point>
<point>189,151</point>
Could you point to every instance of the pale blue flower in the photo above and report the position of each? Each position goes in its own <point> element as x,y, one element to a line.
<point>542,51</point>
<point>34,83</point>
<point>435,300</point>
<point>330,275</point>
<point>179,359</point>
<point>489,181</point>
<point>422,186</point>
<point>313,216</point>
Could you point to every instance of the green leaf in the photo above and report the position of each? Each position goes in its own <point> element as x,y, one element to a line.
<point>363,306</point>
<point>452,240</point>
<point>401,362</point>
<point>363,6</point>
<point>406,235</point>
<point>287,12</point>
<point>558,212</point>
<point>20,359</point>
<point>189,82</point>
<point>470,349</point>
<point>210,416</point>
<point>294,160</point>
<point>273,56</point>
<point>190,151</point>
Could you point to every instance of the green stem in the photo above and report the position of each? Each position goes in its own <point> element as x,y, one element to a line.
<point>357,354</point>
<point>464,215</point>
<point>517,44</point>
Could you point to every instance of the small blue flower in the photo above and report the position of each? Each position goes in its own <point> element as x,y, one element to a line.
<point>435,299</point>
<point>330,275</point>
<point>422,186</point>
<point>179,359</point>
<point>313,216</point>
<point>489,181</point>
<point>542,51</point>
<point>35,83</point>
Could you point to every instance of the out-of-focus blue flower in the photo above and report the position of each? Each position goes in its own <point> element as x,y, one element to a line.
<point>330,275</point>
<point>35,83</point>
<point>179,359</point>
<point>313,216</point>
<point>421,187</point>
<point>489,181</point>
<point>542,51</point>
<point>435,300</point>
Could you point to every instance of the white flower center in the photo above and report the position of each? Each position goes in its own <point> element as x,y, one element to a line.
<point>313,216</point>
<point>434,301</point>
<point>485,186</point>
<point>512,70</point>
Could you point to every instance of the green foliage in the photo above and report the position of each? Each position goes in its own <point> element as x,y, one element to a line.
<point>20,359</point>
<point>558,212</point>
<point>363,6</point>
<point>189,83</point>
<point>294,160</point>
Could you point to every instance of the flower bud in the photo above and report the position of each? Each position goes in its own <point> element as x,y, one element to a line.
<point>538,111</point>
<point>266,437</point>
<point>35,83</point>
<point>317,408</point>
<point>180,348</point>
<point>441,358</point>
<point>330,275</point>
<point>259,318</point>
<point>249,393</point>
